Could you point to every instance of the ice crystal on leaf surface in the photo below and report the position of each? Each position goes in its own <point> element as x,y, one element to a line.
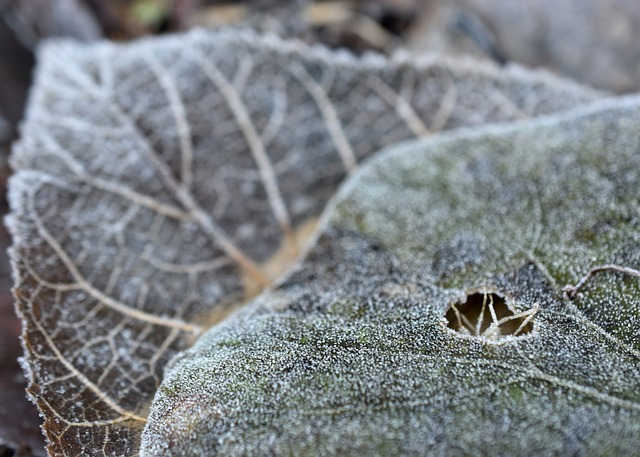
<point>161,183</point>
<point>352,354</point>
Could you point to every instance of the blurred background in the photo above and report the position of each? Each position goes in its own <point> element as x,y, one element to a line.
<point>596,42</point>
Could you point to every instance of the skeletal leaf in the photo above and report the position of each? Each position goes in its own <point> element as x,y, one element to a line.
<point>352,354</point>
<point>160,183</point>
<point>23,23</point>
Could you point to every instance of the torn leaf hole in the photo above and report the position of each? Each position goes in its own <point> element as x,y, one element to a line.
<point>485,314</point>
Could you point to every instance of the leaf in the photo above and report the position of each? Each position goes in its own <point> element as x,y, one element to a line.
<point>544,33</point>
<point>22,24</point>
<point>34,20</point>
<point>352,354</point>
<point>160,184</point>
<point>283,18</point>
<point>18,417</point>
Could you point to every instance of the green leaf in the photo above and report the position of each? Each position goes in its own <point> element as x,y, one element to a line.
<point>352,354</point>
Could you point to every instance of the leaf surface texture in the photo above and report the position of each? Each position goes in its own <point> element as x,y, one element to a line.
<point>159,184</point>
<point>351,356</point>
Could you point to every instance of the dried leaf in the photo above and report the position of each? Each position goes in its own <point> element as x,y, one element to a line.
<point>284,17</point>
<point>35,20</point>
<point>160,183</point>
<point>18,417</point>
<point>23,24</point>
<point>592,41</point>
<point>19,421</point>
<point>352,354</point>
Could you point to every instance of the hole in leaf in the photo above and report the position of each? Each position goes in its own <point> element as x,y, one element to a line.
<point>487,315</point>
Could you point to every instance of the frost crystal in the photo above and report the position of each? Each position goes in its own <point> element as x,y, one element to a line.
<point>350,355</point>
<point>160,183</point>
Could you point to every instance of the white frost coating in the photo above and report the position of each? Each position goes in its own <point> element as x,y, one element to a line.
<point>349,355</point>
<point>147,198</point>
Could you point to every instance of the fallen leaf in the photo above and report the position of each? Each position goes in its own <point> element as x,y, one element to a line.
<point>34,20</point>
<point>161,183</point>
<point>22,25</point>
<point>353,353</point>
<point>590,41</point>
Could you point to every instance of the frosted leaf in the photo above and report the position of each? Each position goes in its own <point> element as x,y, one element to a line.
<point>351,354</point>
<point>160,183</point>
